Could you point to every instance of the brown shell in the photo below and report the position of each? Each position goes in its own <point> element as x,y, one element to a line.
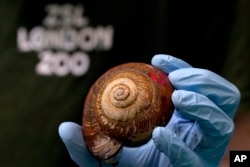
<point>124,106</point>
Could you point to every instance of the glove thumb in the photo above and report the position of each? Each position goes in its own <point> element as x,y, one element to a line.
<point>71,135</point>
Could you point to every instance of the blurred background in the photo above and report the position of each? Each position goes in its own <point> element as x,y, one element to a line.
<point>52,51</point>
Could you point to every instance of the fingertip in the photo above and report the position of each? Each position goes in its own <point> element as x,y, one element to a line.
<point>172,146</point>
<point>175,97</point>
<point>167,142</point>
<point>63,129</point>
<point>69,131</point>
<point>159,59</point>
<point>168,63</point>
<point>161,137</point>
<point>178,98</point>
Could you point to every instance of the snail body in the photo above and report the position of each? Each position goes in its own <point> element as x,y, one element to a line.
<point>124,106</point>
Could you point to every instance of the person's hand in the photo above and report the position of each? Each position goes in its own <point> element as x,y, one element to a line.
<point>197,134</point>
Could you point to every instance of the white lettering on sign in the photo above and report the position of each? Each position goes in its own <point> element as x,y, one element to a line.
<point>64,39</point>
<point>62,64</point>
<point>86,39</point>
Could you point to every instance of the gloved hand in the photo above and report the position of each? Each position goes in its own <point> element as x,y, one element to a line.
<point>197,134</point>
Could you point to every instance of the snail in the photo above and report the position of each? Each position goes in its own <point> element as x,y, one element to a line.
<point>123,107</point>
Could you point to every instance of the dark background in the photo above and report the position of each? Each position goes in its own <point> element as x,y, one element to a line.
<point>207,34</point>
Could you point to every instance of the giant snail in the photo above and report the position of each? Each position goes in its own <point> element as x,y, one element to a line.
<point>123,107</point>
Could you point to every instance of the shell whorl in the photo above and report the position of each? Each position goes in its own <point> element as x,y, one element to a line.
<point>124,106</point>
<point>118,98</point>
<point>125,96</point>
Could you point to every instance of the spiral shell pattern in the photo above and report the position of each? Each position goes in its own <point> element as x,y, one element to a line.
<point>124,106</point>
<point>118,98</point>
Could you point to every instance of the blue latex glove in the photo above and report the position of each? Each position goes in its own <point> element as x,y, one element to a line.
<point>197,134</point>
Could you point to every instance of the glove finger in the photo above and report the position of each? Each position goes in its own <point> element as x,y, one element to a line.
<point>187,130</point>
<point>179,154</point>
<point>223,93</point>
<point>168,63</point>
<point>217,127</point>
<point>211,119</point>
<point>71,135</point>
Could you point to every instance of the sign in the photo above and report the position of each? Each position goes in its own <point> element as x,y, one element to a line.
<point>64,40</point>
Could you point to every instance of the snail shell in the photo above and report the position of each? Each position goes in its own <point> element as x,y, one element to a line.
<point>124,106</point>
